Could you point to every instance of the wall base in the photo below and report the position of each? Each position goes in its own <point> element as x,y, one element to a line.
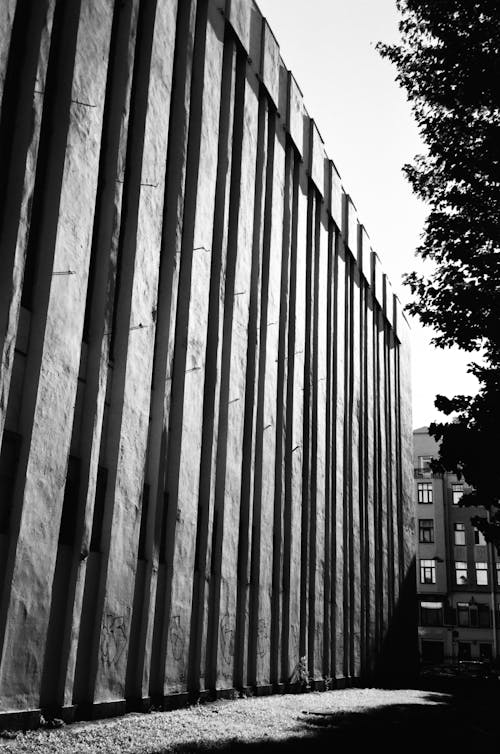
<point>25,720</point>
<point>30,719</point>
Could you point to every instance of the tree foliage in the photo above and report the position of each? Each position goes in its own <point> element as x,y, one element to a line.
<point>448,62</point>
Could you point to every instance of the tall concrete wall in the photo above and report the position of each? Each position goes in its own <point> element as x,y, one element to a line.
<point>205,468</point>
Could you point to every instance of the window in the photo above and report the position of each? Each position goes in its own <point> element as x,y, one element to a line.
<point>460,572</point>
<point>482,574</point>
<point>459,529</point>
<point>463,616</point>
<point>431,613</point>
<point>483,616</point>
<point>424,463</point>
<point>424,492</point>
<point>464,650</point>
<point>473,614</point>
<point>426,530</point>
<point>497,565</point>
<point>427,571</point>
<point>457,490</point>
<point>479,537</point>
<point>485,652</point>
<point>433,651</point>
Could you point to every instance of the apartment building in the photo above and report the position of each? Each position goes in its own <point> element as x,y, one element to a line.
<point>458,573</point>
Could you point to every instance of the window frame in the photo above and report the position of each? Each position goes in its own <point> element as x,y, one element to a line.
<point>425,487</point>
<point>464,645</point>
<point>463,614</point>
<point>461,565</point>
<point>483,615</point>
<point>459,528</point>
<point>482,570</point>
<point>430,609</point>
<point>422,530</point>
<point>424,463</point>
<point>454,485</point>
<point>488,656</point>
<point>478,535</point>
<point>427,565</point>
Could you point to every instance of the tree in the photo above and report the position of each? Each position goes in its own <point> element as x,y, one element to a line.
<point>449,64</point>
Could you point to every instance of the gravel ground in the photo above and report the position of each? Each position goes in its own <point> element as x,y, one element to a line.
<point>391,718</point>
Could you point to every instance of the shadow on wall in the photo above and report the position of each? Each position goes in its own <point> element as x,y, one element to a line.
<point>397,661</point>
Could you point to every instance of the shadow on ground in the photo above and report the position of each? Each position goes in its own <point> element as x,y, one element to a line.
<point>448,719</point>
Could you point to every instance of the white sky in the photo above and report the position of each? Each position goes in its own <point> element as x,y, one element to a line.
<point>369,133</point>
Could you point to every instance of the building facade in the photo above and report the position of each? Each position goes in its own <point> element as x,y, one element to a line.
<point>458,573</point>
<point>205,420</point>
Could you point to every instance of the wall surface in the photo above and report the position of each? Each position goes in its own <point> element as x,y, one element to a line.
<point>205,467</point>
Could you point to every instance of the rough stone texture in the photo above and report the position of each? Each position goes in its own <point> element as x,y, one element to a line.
<point>377,279</point>
<point>7,13</point>
<point>132,390</point>
<point>336,194</point>
<point>239,14</point>
<point>350,226</point>
<point>364,253</point>
<point>17,163</point>
<point>30,568</point>
<point>317,159</point>
<point>95,358</point>
<point>356,472</point>
<point>270,63</point>
<point>204,370</point>
<point>340,434</point>
<point>295,114</point>
<point>388,300</point>
<point>370,476</point>
<point>189,360</point>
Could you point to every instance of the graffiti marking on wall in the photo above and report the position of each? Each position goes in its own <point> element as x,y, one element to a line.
<point>177,638</point>
<point>262,637</point>
<point>227,638</point>
<point>113,639</point>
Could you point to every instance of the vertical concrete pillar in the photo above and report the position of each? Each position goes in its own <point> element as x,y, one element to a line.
<point>357,472</point>
<point>94,357</point>
<point>280,637</point>
<point>296,390</point>
<point>133,350</point>
<point>7,16</point>
<point>227,178</point>
<point>381,338</point>
<point>321,517</point>
<point>223,607</point>
<point>340,503</point>
<point>25,42</point>
<point>191,331</point>
<point>248,539</point>
<point>371,497</point>
<point>150,654</point>
<point>329,581</point>
<point>262,561</point>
